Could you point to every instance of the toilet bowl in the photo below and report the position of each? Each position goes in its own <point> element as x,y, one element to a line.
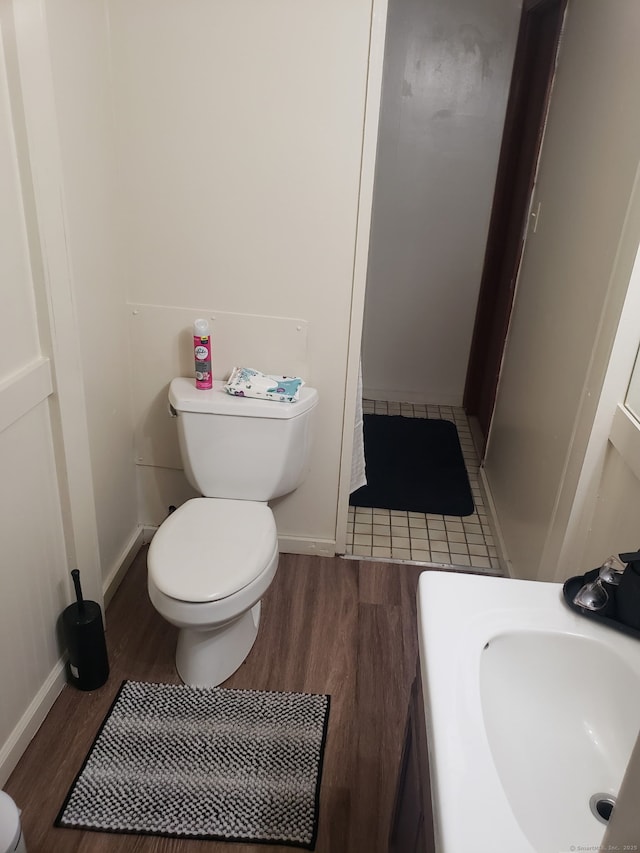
<point>212,560</point>
<point>209,565</point>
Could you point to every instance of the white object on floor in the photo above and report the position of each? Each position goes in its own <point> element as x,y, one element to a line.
<point>11,839</point>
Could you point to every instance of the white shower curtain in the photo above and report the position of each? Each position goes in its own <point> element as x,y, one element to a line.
<point>358,472</point>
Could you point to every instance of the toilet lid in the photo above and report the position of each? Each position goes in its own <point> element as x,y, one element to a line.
<point>210,548</point>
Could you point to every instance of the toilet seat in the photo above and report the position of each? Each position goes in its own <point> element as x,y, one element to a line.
<point>211,548</point>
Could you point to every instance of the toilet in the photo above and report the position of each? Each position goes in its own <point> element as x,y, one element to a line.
<point>212,560</point>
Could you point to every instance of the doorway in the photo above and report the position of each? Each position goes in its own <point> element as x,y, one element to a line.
<point>430,220</point>
<point>447,71</point>
<point>532,81</point>
<point>446,77</point>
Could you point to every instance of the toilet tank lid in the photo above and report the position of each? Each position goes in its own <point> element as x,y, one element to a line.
<point>185,397</point>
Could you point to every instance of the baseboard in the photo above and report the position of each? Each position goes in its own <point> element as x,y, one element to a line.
<point>42,702</point>
<point>121,565</point>
<point>286,544</point>
<point>31,720</point>
<point>421,398</point>
<point>148,532</point>
<point>477,435</point>
<point>503,557</point>
<point>300,545</point>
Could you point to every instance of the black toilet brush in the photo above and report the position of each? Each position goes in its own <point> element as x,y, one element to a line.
<point>84,636</point>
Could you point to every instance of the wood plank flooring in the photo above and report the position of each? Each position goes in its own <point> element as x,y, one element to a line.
<point>333,626</point>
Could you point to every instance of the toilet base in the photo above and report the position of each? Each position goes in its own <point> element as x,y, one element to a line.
<point>207,658</point>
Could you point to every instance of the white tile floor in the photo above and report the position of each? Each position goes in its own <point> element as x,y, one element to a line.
<point>424,538</point>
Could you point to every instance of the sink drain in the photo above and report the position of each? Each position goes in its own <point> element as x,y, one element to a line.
<point>601,806</point>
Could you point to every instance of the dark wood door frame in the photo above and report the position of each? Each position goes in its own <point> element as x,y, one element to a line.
<point>532,79</point>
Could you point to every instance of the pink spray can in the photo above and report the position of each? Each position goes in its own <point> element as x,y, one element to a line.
<point>202,354</point>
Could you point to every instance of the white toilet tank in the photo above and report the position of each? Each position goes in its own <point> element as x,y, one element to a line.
<point>240,447</point>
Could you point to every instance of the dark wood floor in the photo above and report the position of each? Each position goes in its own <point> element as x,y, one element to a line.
<point>333,626</point>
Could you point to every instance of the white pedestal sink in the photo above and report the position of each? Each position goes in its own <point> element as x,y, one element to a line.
<point>531,710</point>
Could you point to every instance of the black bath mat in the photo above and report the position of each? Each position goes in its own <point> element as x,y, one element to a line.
<point>414,464</point>
<point>206,763</point>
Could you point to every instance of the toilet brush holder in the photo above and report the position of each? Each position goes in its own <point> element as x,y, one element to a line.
<point>84,635</point>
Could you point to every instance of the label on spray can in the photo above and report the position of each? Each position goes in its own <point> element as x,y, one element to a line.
<point>202,355</point>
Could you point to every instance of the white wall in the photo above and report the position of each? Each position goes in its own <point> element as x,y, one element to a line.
<point>240,136</point>
<point>33,565</point>
<point>572,284</point>
<point>80,63</point>
<point>446,82</point>
<point>615,522</point>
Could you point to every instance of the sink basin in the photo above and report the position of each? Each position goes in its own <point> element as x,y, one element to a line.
<point>532,712</point>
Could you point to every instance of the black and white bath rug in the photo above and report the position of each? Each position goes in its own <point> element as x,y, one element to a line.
<point>207,763</point>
